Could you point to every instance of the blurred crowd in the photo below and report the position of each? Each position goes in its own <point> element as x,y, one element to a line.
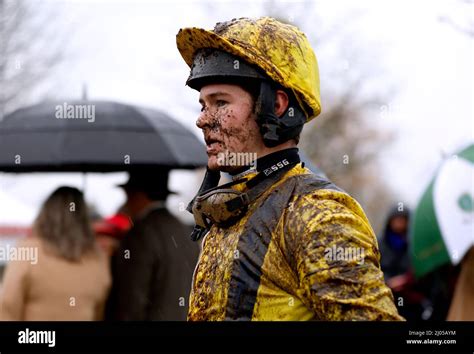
<point>138,263</point>
<point>134,265</point>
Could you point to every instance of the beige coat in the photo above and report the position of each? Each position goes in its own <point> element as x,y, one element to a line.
<point>53,288</point>
<point>462,305</point>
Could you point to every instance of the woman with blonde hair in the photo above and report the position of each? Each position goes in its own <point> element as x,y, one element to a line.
<point>70,277</point>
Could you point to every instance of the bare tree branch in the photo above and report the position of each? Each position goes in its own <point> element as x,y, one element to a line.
<point>30,50</point>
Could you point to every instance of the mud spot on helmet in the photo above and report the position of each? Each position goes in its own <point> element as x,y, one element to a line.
<point>222,27</point>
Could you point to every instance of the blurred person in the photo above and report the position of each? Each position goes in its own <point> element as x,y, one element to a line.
<point>278,238</point>
<point>395,258</point>
<point>462,304</point>
<point>426,298</point>
<point>70,279</point>
<point>395,262</point>
<point>154,264</point>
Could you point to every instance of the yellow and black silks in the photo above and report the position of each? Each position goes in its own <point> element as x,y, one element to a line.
<point>281,260</point>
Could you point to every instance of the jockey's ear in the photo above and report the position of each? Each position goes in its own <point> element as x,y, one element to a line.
<point>281,102</point>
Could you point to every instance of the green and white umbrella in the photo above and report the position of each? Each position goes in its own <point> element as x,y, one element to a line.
<point>442,229</point>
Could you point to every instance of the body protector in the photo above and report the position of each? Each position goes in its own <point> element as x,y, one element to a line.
<point>304,250</point>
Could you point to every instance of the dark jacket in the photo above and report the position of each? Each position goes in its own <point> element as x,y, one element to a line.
<point>394,248</point>
<point>152,270</point>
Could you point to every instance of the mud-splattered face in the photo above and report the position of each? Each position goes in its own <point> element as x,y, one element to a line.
<point>228,123</point>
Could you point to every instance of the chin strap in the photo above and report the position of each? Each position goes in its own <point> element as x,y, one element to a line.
<point>211,180</point>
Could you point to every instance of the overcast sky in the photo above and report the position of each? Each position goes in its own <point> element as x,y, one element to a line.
<point>126,51</point>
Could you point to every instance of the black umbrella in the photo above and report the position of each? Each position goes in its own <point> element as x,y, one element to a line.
<point>95,136</point>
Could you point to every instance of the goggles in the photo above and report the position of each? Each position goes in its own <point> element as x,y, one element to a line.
<point>223,206</point>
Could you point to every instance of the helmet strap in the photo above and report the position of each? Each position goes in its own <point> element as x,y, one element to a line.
<point>277,130</point>
<point>211,180</point>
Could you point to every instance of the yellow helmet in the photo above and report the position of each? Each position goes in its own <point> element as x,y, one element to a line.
<point>280,50</point>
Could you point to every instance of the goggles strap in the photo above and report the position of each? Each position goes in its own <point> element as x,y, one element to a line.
<point>211,180</point>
